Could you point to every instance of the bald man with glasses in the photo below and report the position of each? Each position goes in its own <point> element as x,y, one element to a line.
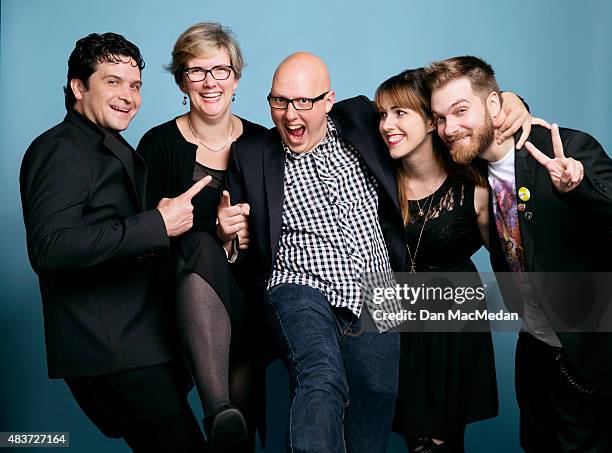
<point>322,201</point>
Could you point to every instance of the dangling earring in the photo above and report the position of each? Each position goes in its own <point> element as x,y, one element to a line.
<point>233,97</point>
<point>184,99</point>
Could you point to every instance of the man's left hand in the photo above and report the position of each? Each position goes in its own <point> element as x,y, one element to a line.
<point>565,172</point>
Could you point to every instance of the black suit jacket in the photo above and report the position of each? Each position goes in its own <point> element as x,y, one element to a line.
<point>93,248</point>
<point>566,237</point>
<point>256,176</point>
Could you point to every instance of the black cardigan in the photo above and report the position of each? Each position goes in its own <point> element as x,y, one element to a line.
<point>171,159</point>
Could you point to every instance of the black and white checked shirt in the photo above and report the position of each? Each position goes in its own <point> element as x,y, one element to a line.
<point>330,236</point>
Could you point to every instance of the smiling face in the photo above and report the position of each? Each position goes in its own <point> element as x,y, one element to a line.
<point>403,129</point>
<point>463,120</point>
<point>210,98</point>
<point>302,75</point>
<point>112,96</point>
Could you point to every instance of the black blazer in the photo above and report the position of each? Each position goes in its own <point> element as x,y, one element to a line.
<point>93,248</point>
<point>567,236</point>
<point>256,176</point>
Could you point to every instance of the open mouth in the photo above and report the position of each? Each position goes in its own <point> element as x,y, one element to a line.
<point>394,139</point>
<point>211,97</point>
<point>120,110</point>
<point>296,132</point>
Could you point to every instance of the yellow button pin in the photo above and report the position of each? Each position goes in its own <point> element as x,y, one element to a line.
<point>524,194</point>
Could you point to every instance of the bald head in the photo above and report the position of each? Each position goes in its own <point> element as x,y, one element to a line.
<point>302,69</point>
<point>302,78</point>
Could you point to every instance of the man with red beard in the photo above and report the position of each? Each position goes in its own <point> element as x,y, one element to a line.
<point>550,213</point>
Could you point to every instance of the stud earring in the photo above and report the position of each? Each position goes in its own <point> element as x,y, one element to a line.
<point>233,97</point>
<point>184,99</point>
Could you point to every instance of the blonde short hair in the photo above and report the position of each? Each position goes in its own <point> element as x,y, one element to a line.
<point>204,39</point>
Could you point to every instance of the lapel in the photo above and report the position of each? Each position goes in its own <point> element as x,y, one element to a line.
<point>140,169</point>
<point>369,146</point>
<point>132,164</point>
<point>274,180</point>
<point>524,172</point>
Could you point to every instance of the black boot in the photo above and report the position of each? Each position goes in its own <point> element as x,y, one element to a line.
<point>226,430</point>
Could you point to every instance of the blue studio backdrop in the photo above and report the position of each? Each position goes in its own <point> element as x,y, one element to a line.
<point>555,54</point>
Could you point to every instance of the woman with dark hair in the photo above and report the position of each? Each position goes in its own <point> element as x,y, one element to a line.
<point>211,311</point>
<point>447,380</point>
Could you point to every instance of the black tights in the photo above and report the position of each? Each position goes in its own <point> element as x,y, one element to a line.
<point>206,335</point>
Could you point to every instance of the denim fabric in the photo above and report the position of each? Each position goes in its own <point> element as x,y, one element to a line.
<point>343,380</point>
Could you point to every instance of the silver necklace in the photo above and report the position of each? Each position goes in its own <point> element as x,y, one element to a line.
<point>416,249</point>
<point>214,150</point>
<point>421,210</point>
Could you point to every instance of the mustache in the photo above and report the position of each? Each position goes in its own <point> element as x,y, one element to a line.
<point>456,137</point>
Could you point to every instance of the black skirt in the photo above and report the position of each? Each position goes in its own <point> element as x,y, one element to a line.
<point>447,380</point>
<point>202,253</point>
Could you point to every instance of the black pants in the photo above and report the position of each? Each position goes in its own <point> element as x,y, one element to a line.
<point>558,413</point>
<point>146,406</point>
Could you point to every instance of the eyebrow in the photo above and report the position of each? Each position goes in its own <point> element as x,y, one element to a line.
<point>458,101</point>
<point>115,76</point>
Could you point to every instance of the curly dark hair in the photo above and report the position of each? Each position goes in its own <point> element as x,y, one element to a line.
<point>94,49</point>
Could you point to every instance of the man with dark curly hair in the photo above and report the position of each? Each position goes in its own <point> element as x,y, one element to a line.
<point>95,249</point>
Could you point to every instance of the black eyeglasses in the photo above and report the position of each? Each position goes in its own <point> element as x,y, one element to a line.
<point>279,103</point>
<point>197,74</point>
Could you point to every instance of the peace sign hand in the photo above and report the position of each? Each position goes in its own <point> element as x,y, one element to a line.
<point>565,172</point>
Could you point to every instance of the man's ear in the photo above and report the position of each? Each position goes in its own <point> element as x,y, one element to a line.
<point>329,100</point>
<point>78,87</point>
<point>493,104</point>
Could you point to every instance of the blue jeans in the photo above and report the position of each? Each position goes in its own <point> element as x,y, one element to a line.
<point>343,380</point>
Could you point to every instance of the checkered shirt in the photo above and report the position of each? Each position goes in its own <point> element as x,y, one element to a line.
<point>330,237</point>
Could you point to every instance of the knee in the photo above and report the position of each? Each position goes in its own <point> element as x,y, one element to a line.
<point>326,382</point>
<point>319,369</point>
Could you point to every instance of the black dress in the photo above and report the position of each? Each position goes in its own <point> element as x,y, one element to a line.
<point>447,380</point>
<point>172,169</point>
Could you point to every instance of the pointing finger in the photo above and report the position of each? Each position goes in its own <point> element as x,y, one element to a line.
<point>196,188</point>
<point>225,200</point>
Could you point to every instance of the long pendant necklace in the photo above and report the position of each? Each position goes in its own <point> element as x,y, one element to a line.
<point>424,214</point>
<point>214,150</point>
<point>421,210</point>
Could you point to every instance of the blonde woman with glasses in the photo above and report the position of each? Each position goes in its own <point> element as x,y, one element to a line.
<point>210,307</point>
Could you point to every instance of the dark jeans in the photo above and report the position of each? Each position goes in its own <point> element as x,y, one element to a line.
<point>557,412</point>
<point>146,406</point>
<point>343,380</point>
